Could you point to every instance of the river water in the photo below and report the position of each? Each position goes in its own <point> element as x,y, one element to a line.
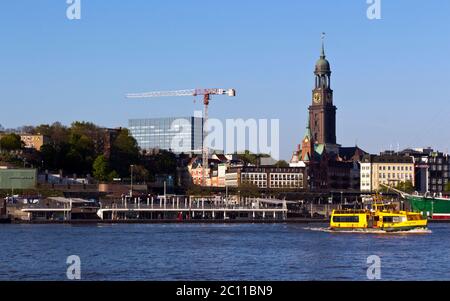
<point>218,252</point>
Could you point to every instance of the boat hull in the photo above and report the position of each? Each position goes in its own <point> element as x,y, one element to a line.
<point>378,230</point>
<point>436,208</point>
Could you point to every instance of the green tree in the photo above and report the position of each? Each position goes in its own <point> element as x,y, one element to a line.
<point>55,156</point>
<point>101,170</point>
<point>166,163</point>
<point>113,175</point>
<point>407,186</point>
<point>57,133</point>
<point>248,190</point>
<point>250,158</point>
<point>140,174</point>
<point>82,154</point>
<point>91,133</point>
<point>282,163</point>
<point>124,153</point>
<point>11,142</point>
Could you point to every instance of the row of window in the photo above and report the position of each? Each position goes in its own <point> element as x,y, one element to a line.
<point>286,176</point>
<point>254,176</point>
<point>389,176</point>
<point>437,160</point>
<point>276,184</point>
<point>398,168</point>
<point>439,167</point>
<point>286,184</point>
<point>389,181</point>
<point>263,176</point>
<point>438,188</point>
<point>439,181</point>
<point>395,176</point>
<point>346,219</point>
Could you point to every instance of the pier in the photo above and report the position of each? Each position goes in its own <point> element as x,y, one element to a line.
<point>158,208</point>
<point>184,208</point>
<point>175,208</point>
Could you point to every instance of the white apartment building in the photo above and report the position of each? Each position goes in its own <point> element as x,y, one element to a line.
<point>388,169</point>
<point>267,177</point>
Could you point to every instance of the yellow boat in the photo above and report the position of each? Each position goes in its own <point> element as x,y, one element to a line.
<point>381,217</point>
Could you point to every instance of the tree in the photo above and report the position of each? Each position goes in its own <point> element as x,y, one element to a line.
<point>113,175</point>
<point>282,163</point>
<point>101,168</point>
<point>124,153</point>
<point>29,129</point>
<point>407,186</point>
<point>81,154</point>
<point>11,142</point>
<point>248,190</point>
<point>140,173</point>
<point>250,158</point>
<point>57,133</point>
<point>93,133</point>
<point>166,163</point>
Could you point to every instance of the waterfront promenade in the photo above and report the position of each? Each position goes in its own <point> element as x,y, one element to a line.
<point>158,209</point>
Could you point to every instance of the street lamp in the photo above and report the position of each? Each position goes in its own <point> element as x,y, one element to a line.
<point>131,186</point>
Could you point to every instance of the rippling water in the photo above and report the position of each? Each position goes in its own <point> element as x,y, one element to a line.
<point>218,252</point>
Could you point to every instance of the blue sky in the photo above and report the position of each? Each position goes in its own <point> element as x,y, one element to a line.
<point>390,76</point>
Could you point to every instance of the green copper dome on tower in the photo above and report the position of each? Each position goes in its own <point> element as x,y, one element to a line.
<point>322,65</point>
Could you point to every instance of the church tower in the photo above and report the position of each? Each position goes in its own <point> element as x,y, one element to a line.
<point>322,112</point>
<point>307,150</point>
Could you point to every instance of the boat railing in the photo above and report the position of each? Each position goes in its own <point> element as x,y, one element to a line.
<point>183,207</point>
<point>351,211</point>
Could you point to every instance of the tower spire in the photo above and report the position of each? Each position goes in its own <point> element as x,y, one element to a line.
<point>322,54</point>
<point>308,128</point>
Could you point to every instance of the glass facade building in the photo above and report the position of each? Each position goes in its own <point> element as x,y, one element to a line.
<point>178,134</point>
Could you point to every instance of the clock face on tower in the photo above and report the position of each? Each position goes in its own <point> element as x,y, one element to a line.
<point>317,98</point>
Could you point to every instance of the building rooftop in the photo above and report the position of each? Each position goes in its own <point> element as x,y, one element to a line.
<point>385,158</point>
<point>353,153</point>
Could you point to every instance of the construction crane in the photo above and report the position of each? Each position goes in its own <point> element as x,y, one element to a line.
<point>192,92</point>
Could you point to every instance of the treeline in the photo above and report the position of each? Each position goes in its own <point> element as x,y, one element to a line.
<point>84,148</point>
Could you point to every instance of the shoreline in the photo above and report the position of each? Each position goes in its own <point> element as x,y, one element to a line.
<point>171,221</point>
<point>218,221</point>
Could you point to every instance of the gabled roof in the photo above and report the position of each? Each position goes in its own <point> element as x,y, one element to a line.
<point>197,162</point>
<point>352,153</point>
<point>221,157</point>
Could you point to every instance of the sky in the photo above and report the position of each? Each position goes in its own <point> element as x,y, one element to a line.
<point>391,77</point>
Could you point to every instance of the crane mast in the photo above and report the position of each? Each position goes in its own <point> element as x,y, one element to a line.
<point>192,92</point>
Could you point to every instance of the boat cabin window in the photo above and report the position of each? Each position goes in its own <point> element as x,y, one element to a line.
<point>414,217</point>
<point>392,219</point>
<point>346,219</point>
